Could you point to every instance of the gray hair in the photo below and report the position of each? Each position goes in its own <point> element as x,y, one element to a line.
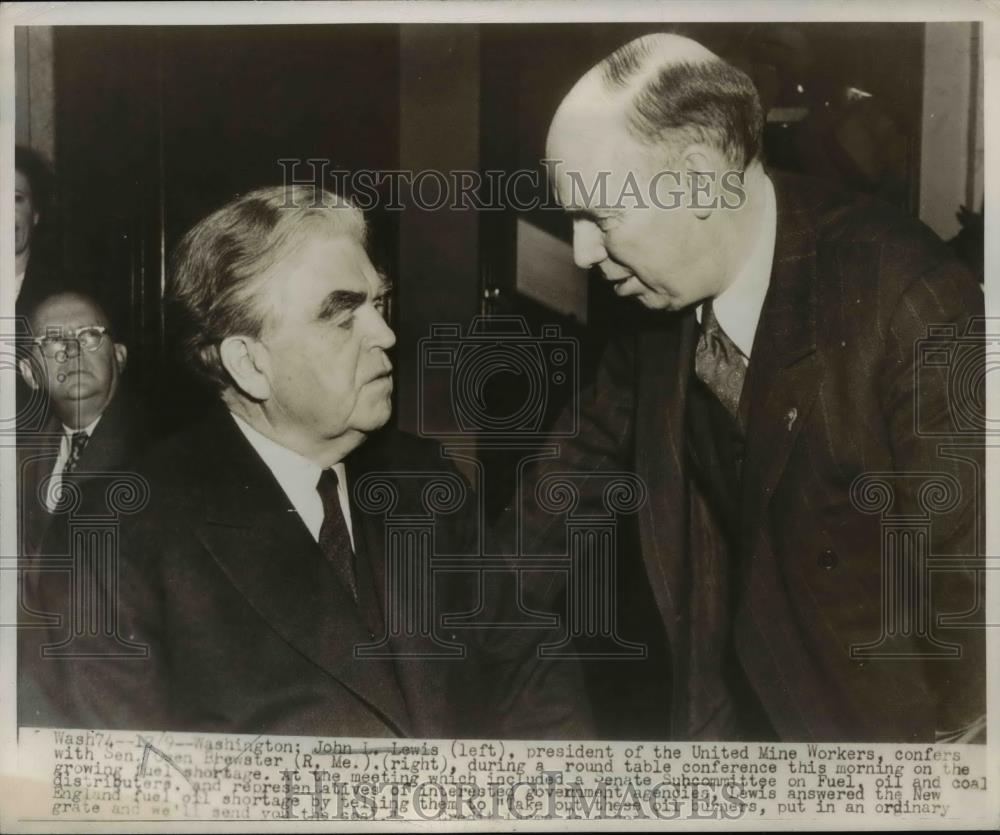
<point>219,265</point>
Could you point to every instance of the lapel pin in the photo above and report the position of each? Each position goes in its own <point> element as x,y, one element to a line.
<point>790,416</point>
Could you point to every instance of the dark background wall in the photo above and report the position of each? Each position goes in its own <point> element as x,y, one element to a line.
<point>170,123</point>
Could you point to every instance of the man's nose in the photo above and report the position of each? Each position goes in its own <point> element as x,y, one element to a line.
<point>588,244</point>
<point>383,336</point>
<point>71,350</point>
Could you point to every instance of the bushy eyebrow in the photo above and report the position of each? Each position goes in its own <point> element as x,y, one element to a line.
<point>347,301</point>
<point>340,301</point>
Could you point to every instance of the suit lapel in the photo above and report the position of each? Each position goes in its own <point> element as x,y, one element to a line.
<point>784,375</point>
<point>421,676</point>
<point>111,441</point>
<point>369,549</point>
<point>261,543</point>
<point>660,458</point>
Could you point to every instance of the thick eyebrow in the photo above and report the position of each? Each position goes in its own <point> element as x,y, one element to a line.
<point>346,301</point>
<point>340,301</point>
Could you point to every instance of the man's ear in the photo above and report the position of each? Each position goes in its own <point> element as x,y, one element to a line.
<point>701,171</point>
<point>246,361</point>
<point>121,355</point>
<point>28,374</point>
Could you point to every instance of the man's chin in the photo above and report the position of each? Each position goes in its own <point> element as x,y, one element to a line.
<point>654,301</point>
<point>376,416</point>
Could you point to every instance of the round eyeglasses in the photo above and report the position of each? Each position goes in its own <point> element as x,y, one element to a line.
<point>71,343</point>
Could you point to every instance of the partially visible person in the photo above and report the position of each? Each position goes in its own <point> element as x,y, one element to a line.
<point>35,272</point>
<point>34,276</point>
<point>94,427</point>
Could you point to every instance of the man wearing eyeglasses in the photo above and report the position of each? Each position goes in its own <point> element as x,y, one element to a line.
<point>77,363</point>
<point>94,427</point>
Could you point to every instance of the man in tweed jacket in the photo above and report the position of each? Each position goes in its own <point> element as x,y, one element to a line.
<point>814,486</point>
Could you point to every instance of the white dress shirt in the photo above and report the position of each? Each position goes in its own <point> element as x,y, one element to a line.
<point>65,447</point>
<point>298,477</point>
<point>738,307</point>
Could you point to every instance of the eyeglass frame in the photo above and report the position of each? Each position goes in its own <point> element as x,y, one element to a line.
<point>102,331</point>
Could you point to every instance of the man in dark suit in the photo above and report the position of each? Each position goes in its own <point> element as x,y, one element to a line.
<point>771,395</point>
<point>276,581</point>
<point>94,427</point>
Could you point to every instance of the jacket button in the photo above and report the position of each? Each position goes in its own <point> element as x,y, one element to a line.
<point>828,559</point>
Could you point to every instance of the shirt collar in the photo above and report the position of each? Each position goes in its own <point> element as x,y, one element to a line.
<point>89,428</point>
<point>288,466</point>
<point>297,475</point>
<point>738,307</point>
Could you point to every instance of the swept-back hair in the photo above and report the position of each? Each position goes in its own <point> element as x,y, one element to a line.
<point>219,267</point>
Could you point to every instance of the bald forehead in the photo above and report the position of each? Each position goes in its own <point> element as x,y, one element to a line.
<point>589,135</point>
<point>590,116</point>
<point>591,127</point>
<point>68,310</point>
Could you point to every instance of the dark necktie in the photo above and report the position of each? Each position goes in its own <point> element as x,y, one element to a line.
<point>77,442</point>
<point>719,364</point>
<point>334,538</point>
